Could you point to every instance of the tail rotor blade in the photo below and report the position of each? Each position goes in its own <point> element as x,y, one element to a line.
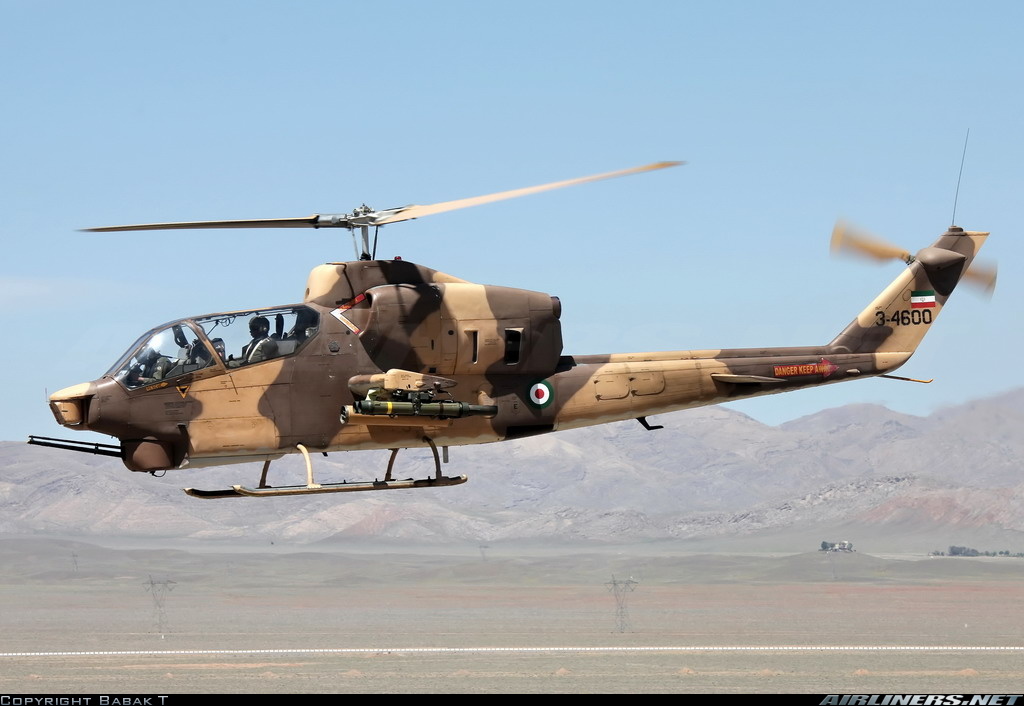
<point>982,276</point>
<point>847,239</point>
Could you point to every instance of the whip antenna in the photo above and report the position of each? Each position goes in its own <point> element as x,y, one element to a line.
<point>958,176</point>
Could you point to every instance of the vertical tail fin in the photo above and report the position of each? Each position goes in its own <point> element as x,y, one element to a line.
<point>898,319</point>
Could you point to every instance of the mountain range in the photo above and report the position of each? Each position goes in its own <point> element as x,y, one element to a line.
<point>713,477</point>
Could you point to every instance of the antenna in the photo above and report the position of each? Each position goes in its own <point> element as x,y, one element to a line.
<point>958,176</point>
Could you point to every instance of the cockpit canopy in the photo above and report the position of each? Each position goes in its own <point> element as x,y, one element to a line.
<point>229,340</point>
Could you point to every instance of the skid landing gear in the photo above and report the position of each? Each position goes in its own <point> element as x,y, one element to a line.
<point>312,488</point>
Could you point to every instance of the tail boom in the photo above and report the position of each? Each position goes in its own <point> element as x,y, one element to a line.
<point>599,389</point>
<point>592,390</point>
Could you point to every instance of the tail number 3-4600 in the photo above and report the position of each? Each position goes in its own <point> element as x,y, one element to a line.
<point>904,317</point>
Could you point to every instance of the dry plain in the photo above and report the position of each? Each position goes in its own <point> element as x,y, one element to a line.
<point>230,618</point>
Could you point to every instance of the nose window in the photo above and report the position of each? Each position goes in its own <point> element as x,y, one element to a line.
<point>167,354</point>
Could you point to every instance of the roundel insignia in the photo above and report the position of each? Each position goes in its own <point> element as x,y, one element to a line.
<point>542,394</point>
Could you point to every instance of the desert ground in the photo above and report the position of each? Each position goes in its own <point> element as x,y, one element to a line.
<point>149,617</point>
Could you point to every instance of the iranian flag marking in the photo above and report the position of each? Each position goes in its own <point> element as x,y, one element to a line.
<point>542,394</point>
<point>922,299</point>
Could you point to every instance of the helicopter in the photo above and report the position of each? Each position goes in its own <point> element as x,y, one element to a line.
<point>389,354</point>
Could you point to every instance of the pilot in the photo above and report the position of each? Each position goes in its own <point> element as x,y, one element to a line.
<point>262,346</point>
<point>152,367</point>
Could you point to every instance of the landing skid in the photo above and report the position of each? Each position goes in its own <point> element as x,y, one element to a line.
<point>211,494</point>
<point>311,488</point>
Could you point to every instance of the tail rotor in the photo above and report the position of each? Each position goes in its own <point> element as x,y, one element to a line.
<point>848,239</point>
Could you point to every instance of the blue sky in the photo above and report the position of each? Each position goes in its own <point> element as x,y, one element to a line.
<point>789,114</point>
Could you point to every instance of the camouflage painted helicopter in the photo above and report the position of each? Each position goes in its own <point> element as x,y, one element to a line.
<point>387,354</point>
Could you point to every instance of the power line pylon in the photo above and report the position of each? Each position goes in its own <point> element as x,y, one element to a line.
<point>159,589</point>
<point>620,589</point>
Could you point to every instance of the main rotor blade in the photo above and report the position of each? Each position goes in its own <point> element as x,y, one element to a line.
<point>405,213</point>
<point>305,222</point>
<point>364,216</point>
<point>847,239</point>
